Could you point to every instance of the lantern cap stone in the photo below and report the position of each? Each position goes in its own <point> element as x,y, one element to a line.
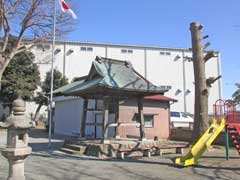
<point>18,119</point>
<point>19,106</point>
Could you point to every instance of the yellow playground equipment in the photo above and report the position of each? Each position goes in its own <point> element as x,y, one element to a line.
<point>222,110</point>
<point>202,144</point>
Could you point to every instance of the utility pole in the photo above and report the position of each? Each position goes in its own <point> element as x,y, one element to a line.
<point>52,77</point>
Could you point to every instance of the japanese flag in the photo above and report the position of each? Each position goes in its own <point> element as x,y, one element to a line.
<point>65,8</point>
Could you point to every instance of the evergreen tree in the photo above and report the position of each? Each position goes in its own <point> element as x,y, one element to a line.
<point>236,94</point>
<point>43,97</point>
<point>21,78</point>
<point>58,81</point>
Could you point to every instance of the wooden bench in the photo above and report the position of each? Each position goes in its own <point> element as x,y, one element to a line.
<point>179,148</point>
<point>147,150</point>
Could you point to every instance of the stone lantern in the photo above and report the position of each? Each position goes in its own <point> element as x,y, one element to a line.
<point>17,148</point>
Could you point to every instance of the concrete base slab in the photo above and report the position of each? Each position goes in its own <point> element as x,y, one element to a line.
<point>117,137</point>
<point>106,141</point>
<point>123,147</point>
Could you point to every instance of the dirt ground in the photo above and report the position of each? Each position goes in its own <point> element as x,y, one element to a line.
<point>50,164</point>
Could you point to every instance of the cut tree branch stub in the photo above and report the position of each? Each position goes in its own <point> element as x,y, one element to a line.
<point>209,55</point>
<point>211,80</point>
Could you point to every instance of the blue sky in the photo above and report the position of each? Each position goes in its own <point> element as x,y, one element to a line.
<point>164,23</point>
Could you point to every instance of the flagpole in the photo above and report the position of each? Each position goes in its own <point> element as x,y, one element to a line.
<point>52,76</point>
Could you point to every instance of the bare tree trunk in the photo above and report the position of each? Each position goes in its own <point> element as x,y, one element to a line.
<point>37,111</point>
<point>0,82</point>
<point>1,14</point>
<point>201,88</point>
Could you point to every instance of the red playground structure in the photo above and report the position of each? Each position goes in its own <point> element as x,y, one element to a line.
<point>228,110</point>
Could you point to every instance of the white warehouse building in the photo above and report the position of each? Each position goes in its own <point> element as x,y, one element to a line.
<point>160,65</point>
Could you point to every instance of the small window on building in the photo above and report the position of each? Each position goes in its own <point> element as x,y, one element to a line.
<point>89,49</point>
<point>148,120</point>
<point>165,53</point>
<point>130,51</point>
<point>83,48</point>
<point>124,51</point>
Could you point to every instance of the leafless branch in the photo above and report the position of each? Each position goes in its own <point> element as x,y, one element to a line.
<point>1,15</point>
<point>28,17</point>
<point>11,6</point>
<point>6,29</point>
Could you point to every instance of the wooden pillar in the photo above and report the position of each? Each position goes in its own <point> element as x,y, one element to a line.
<point>105,118</point>
<point>117,135</point>
<point>84,117</point>
<point>141,117</point>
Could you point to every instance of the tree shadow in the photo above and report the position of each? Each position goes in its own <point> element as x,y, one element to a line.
<point>44,147</point>
<point>136,175</point>
<point>218,172</point>
<point>43,133</point>
<point>217,167</point>
<point>58,155</point>
<point>218,157</point>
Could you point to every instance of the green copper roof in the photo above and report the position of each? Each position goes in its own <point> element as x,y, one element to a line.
<point>67,87</point>
<point>114,77</point>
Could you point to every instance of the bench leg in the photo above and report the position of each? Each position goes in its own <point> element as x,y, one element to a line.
<point>122,155</point>
<point>147,153</point>
<point>179,150</point>
<point>158,152</point>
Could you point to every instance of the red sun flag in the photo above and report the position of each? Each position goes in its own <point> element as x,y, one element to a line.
<point>65,8</point>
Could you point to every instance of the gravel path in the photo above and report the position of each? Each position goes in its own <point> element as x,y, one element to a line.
<point>46,164</point>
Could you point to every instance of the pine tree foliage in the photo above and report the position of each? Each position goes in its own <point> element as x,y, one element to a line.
<point>236,94</point>
<point>42,98</point>
<point>58,81</point>
<point>21,78</point>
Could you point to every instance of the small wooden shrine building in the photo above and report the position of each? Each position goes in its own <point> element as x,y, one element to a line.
<point>114,82</point>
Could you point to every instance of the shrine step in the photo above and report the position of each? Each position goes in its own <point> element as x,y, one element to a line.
<point>79,148</point>
<point>68,151</point>
<point>73,149</point>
